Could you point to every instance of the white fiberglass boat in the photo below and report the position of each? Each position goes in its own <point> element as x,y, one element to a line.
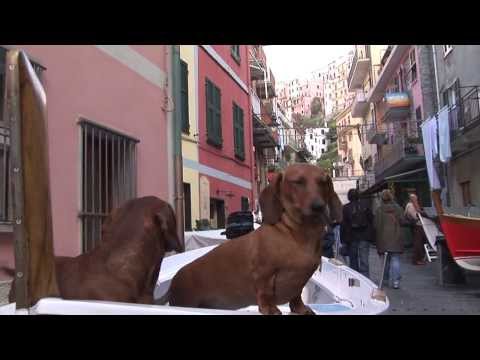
<point>335,290</point>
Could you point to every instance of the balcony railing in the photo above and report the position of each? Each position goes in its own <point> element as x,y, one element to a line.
<point>256,104</point>
<point>467,113</point>
<point>395,154</point>
<point>358,71</point>
<point>360,104</point>
<point>367,181</point>
<point>395,107</point>
<point>376,135</point>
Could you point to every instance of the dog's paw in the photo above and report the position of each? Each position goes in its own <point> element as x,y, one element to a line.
<point>270,310</point>
<point>303,310</point>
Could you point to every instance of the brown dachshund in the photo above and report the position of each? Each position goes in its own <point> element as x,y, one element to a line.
<point>270,266</point>
<point>125,265</point>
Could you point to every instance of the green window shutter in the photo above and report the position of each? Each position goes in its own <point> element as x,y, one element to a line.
<point>184,97</point>
<point>214,126</point>
<point>238,132</point>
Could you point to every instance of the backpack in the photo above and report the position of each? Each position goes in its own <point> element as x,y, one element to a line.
<point>359,216</point>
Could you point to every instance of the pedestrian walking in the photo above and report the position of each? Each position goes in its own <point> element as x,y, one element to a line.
<point>388,221</point>
<point>412,210</point>
<point>356,232</point>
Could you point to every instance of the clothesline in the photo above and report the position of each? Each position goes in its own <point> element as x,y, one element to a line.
<point>436,142</point>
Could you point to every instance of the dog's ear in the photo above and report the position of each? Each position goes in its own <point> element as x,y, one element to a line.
<point>334,204</point>
<point>270,203</point>
<point>168,225</point>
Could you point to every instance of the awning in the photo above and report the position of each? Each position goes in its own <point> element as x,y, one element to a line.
<point>399,176</point>
<point>394,178</point>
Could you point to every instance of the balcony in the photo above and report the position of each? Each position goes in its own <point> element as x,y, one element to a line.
<point>358,71</point>
<point>265,89</point>
<point>399,157</point>
<point>256,104</point>
<point>360,104</point>
<point>465,120</point>
<point>257,63</point>
<point>366,181</point>
<point>263,136</point>
<point>392,62</point>
<point>396,107</point>
<point>376,135</point>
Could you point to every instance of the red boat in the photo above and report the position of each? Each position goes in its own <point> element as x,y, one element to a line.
<point>462,234</point>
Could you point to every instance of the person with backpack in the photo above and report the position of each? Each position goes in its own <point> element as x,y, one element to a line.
<point>356,232</point>
<point>389,219</point>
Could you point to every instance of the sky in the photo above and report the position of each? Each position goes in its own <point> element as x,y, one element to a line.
<point>291,61</point>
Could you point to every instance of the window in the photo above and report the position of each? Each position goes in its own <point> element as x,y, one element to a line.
<point>323,150</point>
<point>323,141</point>
<point>214,125</point>
<point>238,132</point>
<point>245,204</point>
<point>108,178</point>
<point>235,51</point>
<point>350,137</point>
<point>467,199</point>
<point>311,136</point>
<point>410,69</point>
<point>312,147</point>
<point>447,49</point>
<point>6,210</point>
<point>322,131</point>
<point>184,96</point>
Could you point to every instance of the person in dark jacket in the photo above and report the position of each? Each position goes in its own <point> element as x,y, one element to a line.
<point>329,242</point>
<point>388,220</point>
<point>356,232</point>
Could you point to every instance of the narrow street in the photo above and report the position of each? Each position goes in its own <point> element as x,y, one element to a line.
<point>421,294</point>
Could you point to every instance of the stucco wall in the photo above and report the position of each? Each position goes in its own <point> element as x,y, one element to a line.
<point>83,81</point>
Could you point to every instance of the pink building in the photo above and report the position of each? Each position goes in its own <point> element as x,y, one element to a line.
<point>225,131</point>
<point>107,125</point>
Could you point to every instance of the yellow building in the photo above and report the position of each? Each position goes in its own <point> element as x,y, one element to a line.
<point>349,144</point>
<point>189,87</point>
<point>363,75</point>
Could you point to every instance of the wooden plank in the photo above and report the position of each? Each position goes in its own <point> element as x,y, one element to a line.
<point>34,256</point>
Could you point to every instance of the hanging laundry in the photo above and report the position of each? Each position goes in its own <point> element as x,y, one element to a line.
<point>429,134</point>
<point>445,149</point>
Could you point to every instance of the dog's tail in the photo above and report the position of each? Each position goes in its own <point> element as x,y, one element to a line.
<point>8,271</point>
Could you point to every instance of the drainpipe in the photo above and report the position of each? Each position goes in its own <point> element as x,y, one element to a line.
<point>176,131</point>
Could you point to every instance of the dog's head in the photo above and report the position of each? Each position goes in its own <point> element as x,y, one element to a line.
<point>167,225</point>
<point>141,216</point>
<point>305,192</point>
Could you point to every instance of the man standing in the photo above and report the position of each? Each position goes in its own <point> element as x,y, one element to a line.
<point>357,232</point>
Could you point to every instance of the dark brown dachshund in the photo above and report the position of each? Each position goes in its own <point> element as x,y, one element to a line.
<point>270,266</point>
<point>125,265</point>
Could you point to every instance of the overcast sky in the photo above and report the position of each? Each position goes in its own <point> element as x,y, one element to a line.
<point>290,61</point>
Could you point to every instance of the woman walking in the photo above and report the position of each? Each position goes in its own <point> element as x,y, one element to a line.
<point>412,209</point>
<point>388,219</point>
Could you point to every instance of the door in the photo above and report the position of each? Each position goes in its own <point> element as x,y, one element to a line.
<point>187,207</point>
<point>220,208</point>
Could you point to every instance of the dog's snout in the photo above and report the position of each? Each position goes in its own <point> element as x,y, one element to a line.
<point>318,205</point>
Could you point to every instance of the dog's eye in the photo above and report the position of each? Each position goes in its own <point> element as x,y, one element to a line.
<point>300,181</point>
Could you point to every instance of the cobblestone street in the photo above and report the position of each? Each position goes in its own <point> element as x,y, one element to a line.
<point>421,294</point>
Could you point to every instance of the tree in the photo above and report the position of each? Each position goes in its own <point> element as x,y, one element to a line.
<point>316,106</point>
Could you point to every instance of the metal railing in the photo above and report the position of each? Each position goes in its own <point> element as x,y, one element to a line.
<point>109,178</point>
<point>396,152</point>
<point>355,59</point>
<point>467,112</point>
